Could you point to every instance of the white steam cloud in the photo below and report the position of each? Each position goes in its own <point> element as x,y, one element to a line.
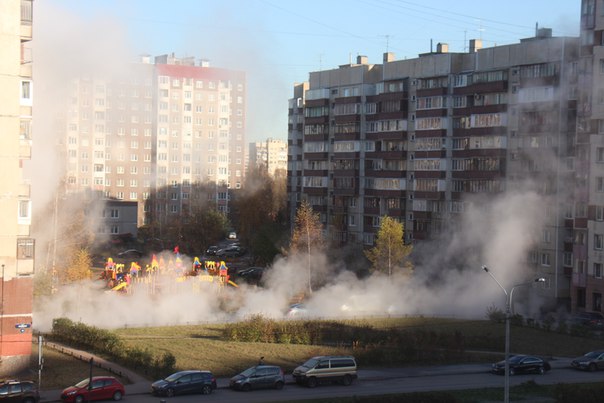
<point>497,234</point>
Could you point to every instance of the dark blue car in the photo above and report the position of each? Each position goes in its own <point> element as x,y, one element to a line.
<point>184,382</point>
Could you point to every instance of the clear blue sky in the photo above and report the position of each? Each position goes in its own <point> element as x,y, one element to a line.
<point>277,42</point>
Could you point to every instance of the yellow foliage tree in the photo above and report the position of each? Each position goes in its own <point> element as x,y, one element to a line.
<point>390,250</point>
<point>307,236</point>
<point>79,267</point>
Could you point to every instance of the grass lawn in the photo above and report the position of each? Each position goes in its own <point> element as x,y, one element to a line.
<point>61,370</point>
<point>202,346</point>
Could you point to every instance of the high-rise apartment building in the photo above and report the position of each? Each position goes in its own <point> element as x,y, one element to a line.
<point>588,220</point>
<point>165,124</point>
<point>413,138</point>
<point>16,246</point>
<point>271,153</point>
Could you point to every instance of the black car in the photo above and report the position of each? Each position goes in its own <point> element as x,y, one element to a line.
<point>591,361</point>
<point>183,382</point>
<point>251,274</point>
<point>594,320</point>
<point>259,377</point>
<point>130,254</point>
<point>231,251</point>
<point>211,251</point>
<point>522,364</point>
<point>19,391</point>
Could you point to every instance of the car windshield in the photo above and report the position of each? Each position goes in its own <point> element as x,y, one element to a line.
<point>516,358</point>
<point>173,377</point>
<point>83,383</point>
<point>592,354</point>
<point>310,363</point>
<point>248,372</point>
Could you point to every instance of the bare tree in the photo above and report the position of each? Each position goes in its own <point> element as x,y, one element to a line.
<point>308,236</point>
<point>390,250</point>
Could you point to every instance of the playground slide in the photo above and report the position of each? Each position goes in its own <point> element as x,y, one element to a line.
<point>119,286</point>
<point>233,284</point>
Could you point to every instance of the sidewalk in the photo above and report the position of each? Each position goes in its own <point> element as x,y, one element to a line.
<point>141,386</point>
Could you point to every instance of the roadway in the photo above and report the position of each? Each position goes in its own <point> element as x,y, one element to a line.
<point>372,382</point>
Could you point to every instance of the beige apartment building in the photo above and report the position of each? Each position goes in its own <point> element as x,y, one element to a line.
<point>16,246</point>
<point>165,124</point>
<point>271,154</point>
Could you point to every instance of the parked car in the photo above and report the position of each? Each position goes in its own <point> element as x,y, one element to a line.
<point>522,364</point>
<point>130,254</point>
<point>251,274</point>
<point>183,382</point>
<point>297,310</point>
<point>211,251</point>
<point>594,320</point>
<point>592,361</point>
<point>19,391</point>
<point>231,251</point>
<point>232,235</point>
<point>102,388</point>
<point>259,377</point>
<point>326,369</point>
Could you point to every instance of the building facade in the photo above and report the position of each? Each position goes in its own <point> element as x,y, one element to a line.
<point>156,130</point>
<point>588,220</point>
<point>271,153</point>
<point>413,138</point>
<point>16,247</point>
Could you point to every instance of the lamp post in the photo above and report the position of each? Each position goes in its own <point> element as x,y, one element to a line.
<point>508,313</point>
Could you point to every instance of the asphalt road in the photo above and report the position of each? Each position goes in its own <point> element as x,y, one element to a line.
<point>382,381</point>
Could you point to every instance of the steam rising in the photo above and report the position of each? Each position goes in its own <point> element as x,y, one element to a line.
<point>496,234</point>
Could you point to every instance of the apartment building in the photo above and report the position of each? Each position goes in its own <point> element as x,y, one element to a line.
<point>271,153</point>
<point>587,237</point>
<point>156,130</point>
<point>413,138</point>
<point>17,247</point>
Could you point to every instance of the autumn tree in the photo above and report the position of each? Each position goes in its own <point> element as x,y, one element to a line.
<point>390,251</point>
<point>308,236</point>
<point>79,267</point>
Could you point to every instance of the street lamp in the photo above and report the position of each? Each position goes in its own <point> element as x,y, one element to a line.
<point>508,308</point>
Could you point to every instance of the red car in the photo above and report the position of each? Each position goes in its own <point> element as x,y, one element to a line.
<point>103,388</point>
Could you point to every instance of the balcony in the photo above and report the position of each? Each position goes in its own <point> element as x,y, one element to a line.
<point>27,9</point>
<point>25,149</point>
<point>579,280</point>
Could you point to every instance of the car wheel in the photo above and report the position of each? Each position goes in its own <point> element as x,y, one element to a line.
<point>279,385</point>
<point>347,380</point>
<point>170,392</point>
<point>312,382</point>
<point>117,395</point>
<point>79,399</point>
<point>29,400</point>
<point>512,372</point>
<point>246,388</point>
<point>206,389</point>
<point>592,367</point>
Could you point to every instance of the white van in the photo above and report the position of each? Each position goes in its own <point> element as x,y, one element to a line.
<point>326,369</point>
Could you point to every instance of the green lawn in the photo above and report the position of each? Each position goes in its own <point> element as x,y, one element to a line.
<point>202,346</point>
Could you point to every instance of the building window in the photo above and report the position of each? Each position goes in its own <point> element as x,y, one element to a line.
<point>24,211</point>
<point>599,213</point>
<point>26,92</point>
<point>581,298</point>
<point>545,260</point>
<point>598,270</point>
<point>599,184</point>
<point>25,248</point>
<point>597,301</point>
